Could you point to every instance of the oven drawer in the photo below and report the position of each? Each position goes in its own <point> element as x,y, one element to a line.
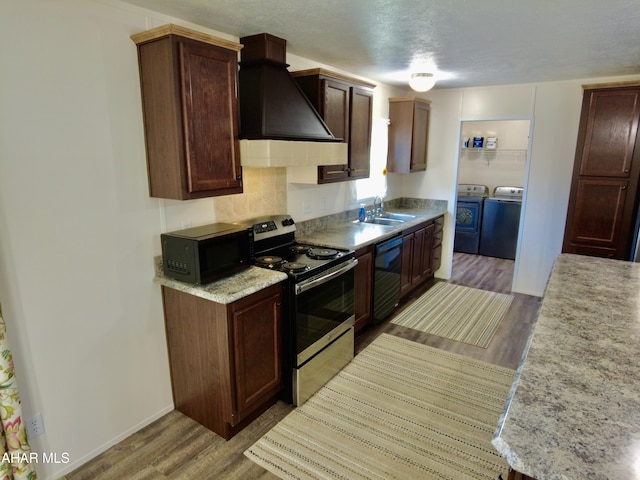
<point>308,379</point>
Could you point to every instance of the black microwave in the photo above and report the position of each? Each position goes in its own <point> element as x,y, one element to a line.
<point>203,254</point>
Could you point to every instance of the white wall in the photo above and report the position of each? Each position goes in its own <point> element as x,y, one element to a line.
<point>557,113</point>
<point>504,165</point>
<point>79,231</point>
<point>554,109</point>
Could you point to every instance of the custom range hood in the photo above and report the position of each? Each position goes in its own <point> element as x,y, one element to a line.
<point>278,125</point>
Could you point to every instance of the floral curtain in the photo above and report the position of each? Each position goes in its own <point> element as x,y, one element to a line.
<point>15,453</point>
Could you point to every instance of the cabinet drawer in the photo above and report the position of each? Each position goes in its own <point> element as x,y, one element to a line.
<point>436,260</point>
<point>439,223</point>
<point>437,238</point>
<point>332,173</point>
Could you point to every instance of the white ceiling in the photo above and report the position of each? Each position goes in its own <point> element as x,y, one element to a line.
<point>472,42</point>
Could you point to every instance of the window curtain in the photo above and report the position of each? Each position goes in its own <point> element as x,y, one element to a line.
<point>14,446</point>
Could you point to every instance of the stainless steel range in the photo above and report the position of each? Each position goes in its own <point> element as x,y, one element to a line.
<point>318,304</point>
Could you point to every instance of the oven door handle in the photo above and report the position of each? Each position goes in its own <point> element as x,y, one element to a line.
<point>323,278</point>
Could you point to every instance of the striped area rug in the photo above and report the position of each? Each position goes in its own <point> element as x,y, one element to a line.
<point>399,410</point>
<point>456,312</point>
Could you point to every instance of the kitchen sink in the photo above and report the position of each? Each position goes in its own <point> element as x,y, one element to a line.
<point>382,221</point>
<point>397,216</point>
<point>389,218</point>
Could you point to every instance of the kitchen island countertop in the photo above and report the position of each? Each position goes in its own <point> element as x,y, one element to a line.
<point>574,408</point>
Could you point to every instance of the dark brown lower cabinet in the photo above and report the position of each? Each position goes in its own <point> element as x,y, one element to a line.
<point>421,254</point>
<point>436,251</point>
<point>421,257</point>
<point>225,360</point>
<point>363,291</point>
<point>513,475</point>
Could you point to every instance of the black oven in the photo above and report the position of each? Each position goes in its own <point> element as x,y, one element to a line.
<point>319,305</point>
<point>324,309</point>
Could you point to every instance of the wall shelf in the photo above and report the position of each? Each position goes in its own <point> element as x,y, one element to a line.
<point>490,154</point>
<point>493,150</point>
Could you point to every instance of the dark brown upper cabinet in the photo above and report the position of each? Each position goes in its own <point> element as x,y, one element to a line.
<point>408,134</point>
<point>346,106</point>
<point>604,189</point>
<point>189,85</point>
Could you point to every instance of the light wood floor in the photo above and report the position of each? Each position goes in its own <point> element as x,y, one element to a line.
<point>176,447</point>
<point>485,273</point>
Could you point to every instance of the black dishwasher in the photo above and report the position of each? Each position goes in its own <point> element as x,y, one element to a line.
<point>386,278</point>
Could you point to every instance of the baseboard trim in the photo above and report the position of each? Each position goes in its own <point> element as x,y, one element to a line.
<point>59,475</point>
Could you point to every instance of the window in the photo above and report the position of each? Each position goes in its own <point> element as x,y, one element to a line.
<point>376,184</point>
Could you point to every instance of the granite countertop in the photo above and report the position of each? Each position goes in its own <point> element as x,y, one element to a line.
<point>228,289</point>
<point>348,235</point>
<point>574,408</point>
<point>336,231</point>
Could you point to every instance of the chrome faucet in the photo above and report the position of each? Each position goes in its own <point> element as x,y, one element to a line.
<point>377,211</point>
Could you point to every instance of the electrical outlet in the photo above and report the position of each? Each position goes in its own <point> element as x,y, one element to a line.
<point>35,426</point>
<point>325,206</point>
<point>306,207</point>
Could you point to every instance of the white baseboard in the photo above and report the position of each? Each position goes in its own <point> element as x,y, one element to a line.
<point>106,446</point>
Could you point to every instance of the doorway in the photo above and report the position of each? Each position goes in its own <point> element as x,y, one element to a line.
<point>492,153</point>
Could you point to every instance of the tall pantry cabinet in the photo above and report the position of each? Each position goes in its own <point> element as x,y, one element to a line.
<point>604,190</point>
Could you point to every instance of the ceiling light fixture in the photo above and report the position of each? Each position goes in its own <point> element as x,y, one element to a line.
<point>422,82</point>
